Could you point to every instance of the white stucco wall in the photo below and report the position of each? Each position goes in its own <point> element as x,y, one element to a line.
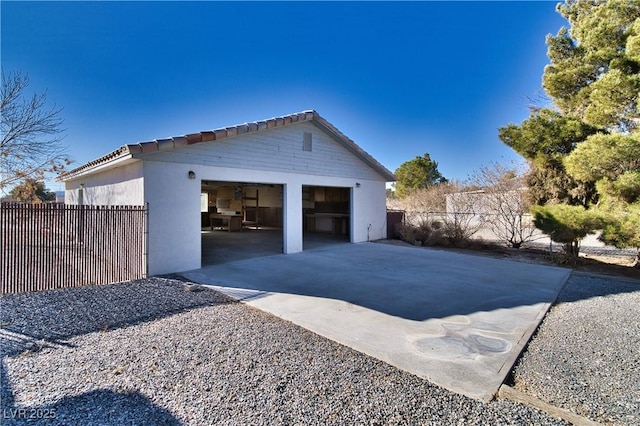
<point>174,209</point>
<point>274,156</point>
<point>174,218</point>
<point>369,213</point>
<point>292,217</point>
<point>117,186</point>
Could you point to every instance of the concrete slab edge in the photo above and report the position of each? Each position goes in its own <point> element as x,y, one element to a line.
<point>512,394</point>
<point>528,334</point>
<point>247,301</point>
<point>507,392</point>
<point>244,297</point>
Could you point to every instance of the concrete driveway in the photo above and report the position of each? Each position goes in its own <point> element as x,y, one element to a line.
<point>457,320</point>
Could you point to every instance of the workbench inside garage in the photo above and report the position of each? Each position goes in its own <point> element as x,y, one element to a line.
<point>233,222</point>
<point>334,223</point>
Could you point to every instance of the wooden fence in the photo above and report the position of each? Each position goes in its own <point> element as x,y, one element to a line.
<point>50,246</point>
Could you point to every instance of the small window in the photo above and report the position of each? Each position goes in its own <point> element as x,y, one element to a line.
<point>306,143</point>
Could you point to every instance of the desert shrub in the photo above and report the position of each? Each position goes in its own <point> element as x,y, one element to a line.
<point>458,228</point>
<point>436,233</point>
<point>437,215</point>
<point>407,232</point>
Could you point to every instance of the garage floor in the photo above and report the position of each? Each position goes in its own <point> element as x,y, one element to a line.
<point>457,320</point>
<point>221,246</point>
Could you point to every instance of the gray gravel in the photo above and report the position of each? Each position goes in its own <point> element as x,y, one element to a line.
<point>586,355</point>
<point>148,352</point>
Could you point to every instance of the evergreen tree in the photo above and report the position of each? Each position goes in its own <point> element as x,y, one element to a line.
<point>421,172</point>
<point>585,153</point>
<point>594,67</point>
<point>545,139</point>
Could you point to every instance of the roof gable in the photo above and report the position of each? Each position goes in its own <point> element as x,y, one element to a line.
<point>133,151</point>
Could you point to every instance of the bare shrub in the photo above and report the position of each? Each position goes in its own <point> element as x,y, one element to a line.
<point>434,216</point>
<point>505,203</point>
<point>463,218</point>
<point>407,233</point>
<point>424,234</point>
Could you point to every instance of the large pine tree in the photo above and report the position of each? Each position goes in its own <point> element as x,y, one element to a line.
<point>585,151</point>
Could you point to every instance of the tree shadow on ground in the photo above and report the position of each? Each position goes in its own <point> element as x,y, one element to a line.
<point>34,321</point>
<point>99,407</point>
<point>416,284</point>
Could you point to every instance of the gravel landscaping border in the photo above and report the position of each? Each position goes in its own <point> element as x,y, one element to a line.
<point>160,351</point>
<point>585,355</point>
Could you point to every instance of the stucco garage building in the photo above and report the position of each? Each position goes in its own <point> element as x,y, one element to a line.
<point>294,173</point>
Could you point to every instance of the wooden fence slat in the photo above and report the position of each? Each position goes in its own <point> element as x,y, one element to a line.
<point>49,246</point>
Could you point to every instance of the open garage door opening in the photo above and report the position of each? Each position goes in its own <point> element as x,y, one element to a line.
<point>326,216</point>
<point>240,220</point>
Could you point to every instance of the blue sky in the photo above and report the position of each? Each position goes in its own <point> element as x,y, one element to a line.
<point>400,79</point>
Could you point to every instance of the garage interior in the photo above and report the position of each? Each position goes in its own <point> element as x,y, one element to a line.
<point>241,220</point>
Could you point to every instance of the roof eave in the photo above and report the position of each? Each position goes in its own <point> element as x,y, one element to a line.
<point>118,156</point>
<point>355,149</point>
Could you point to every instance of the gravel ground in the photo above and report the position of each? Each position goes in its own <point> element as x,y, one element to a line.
<point>586,355</point>
<point>150,353</point>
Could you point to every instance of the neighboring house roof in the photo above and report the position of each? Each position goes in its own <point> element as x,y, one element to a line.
<point>135,150</point>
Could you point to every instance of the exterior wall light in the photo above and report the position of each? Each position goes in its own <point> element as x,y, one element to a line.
<point>357,184</point>
<point>192,174</point>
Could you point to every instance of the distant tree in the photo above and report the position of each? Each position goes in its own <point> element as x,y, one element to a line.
<point>31,143</point>
<point>421,172</point>
<point>32,191</point>
<point>506,202</point>
<point>391,194</point>
<point>429,200</point>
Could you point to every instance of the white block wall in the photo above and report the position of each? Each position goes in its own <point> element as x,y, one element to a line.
<point>174,218</point>
<point>278,149</point>
<point>274,156</point>
<point>121,185</point>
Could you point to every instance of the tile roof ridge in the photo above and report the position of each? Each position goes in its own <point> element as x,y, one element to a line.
<point>169,143</point>
<point>220,132</point>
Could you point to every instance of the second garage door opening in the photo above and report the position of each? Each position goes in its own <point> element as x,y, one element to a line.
<point>326,215</point>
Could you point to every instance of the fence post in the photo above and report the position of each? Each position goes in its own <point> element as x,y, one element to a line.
<point>145,243</point>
